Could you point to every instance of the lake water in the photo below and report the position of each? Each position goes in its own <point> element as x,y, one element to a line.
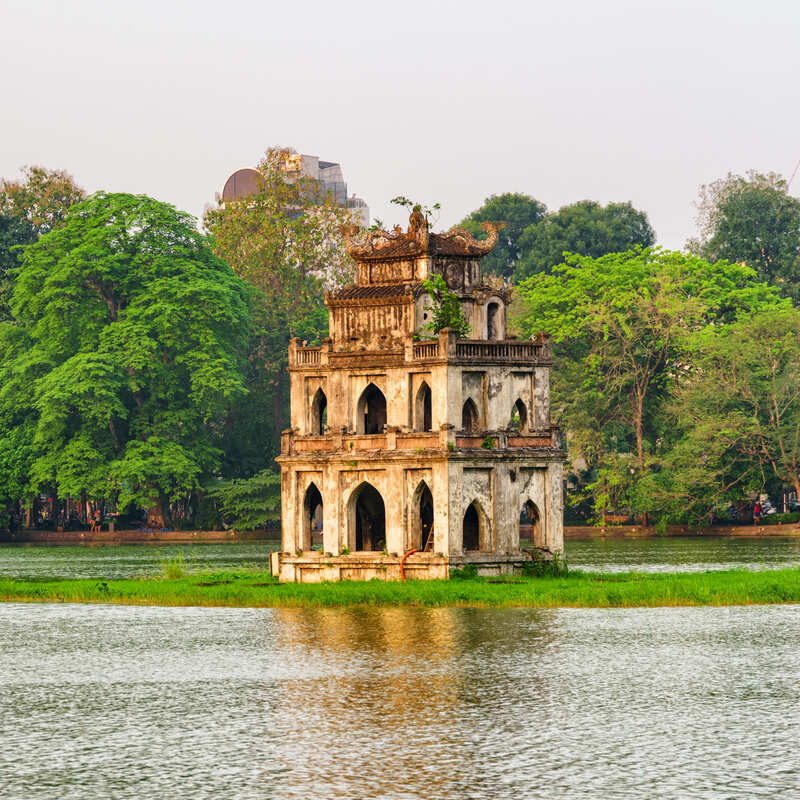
<point>610,555</point>
<point>134,702</point>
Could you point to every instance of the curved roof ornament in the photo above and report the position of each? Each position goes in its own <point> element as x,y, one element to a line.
<point>379,245</point>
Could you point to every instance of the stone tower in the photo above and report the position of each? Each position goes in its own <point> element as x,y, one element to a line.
<point>402,442</point>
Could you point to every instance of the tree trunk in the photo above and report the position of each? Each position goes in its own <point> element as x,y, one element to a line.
<point>158,515</point>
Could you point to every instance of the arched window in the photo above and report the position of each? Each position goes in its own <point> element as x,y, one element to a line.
<point>422,408</point>
<point>471,529</point>
<point>469,417</point>
<point>371,411</point>
<point>312,517</point>
<point>368,516</point>
<point>493,321</point>
<point>422,522</point>
<point>530,525</point>
<point>319,413</point>
<point>519,417</point>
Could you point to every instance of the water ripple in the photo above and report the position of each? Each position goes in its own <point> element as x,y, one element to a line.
<point>118,702</point>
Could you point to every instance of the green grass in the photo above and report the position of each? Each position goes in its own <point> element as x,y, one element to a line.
<point>577,590</point>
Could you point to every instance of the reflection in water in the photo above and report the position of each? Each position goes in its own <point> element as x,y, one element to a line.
<point>103,701</point>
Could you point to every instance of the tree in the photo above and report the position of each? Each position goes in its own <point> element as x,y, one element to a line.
<point>29,208</point>
<point>446,310</point>
<point>738,410</point>
<point>621,323</point>
<point>43,198</point>
<point>518,211</point>
<point>585,228</point>
<point>284,241</point>
<point>246,503</point>
<point>752,219</point>
<point>125,354</point>
<point>14,232</point>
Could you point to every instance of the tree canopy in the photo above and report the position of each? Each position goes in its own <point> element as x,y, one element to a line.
<point>518,211</point>
<point>752,219</point>
<point>124,355</point>
<point>622,323</point>
<point>737,410</point>
<point>585,228</point>
<point>285,242</point>
<point>42,198</point>
<point>29,208</point>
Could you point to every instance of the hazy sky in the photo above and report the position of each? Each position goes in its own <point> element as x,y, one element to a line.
<point>440,101</point>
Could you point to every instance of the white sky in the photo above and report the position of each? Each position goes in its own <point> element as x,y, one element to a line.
<point>440,101</point>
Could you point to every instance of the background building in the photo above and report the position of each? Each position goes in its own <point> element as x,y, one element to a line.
<point>327,174</point>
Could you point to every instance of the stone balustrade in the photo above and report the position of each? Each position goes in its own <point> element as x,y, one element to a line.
<point>446,348</point>
<point>394,439</point>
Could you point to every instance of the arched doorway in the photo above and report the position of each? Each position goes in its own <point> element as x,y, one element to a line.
<point>422,529</point>
<point>493,321</point>
<point>530,525</point>
<point>369,517</point>
<point>371,411</point>
<point>471,529</point>
<point>423,408</point>
<point>519,417</point>
<point>312,518</point>
<point>319,413</point>
<point>469,417</point>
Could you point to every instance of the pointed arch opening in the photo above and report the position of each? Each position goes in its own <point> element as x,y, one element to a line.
<point>471,529</point>
<point>530,524</point>
<point>367,516</point>
<point>469,417</point>
<point>319,413</point>
<point>422,519</point>
<point>493,321</point>
<point>312,518</point>
<point>423,408</point>
<point>371,411</point>
<point>519,417</point>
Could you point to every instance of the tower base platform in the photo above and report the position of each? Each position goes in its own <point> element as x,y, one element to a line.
<point>315,566</point>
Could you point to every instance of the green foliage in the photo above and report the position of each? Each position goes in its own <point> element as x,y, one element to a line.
<point>781,519</point>
<point>753,219</point>
<point>42,199</point>
<point>125,353</point>
<point>174,568</point>
<point>428,211</point>
<point>446,310</point>
<point>623,325</point>
<point>29,208</point>
<point>285,242</point>
<point>518,211</point>
<point>14,233</point>
<point>585,228</point>
<point>466,573</point>
<point>738,413</point>
<point>248,503</point>
<point>575,589</point>
<point>542,567</point>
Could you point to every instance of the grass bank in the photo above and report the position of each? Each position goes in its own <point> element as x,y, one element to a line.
<point>577,590</point>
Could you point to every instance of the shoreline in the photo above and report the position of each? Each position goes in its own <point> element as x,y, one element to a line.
<point>571,533</point>
<point>256,589</point>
